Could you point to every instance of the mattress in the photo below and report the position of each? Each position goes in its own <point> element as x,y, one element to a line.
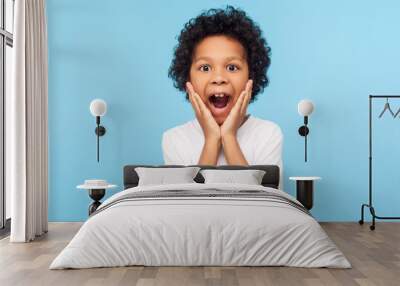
<point>201,225</point>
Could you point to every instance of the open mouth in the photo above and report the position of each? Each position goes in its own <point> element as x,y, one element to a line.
<point>219,100</point>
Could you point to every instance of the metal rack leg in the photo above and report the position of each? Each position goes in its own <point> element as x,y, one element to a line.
<point>361,221</point>
<point>372,210</point>
<point>374,216</point>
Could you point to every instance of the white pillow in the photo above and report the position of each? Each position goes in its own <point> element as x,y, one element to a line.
<point>163,176</point>
<point>248,177</point>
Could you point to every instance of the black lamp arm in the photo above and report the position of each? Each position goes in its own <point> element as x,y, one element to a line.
<point>100,131</point>
<point>303,131</point>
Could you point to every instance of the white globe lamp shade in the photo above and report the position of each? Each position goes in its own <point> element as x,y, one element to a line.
<point>98,107</point>
<point>305,107</point>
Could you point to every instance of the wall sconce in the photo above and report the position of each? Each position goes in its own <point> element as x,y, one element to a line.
<point>305,108</point>
<point>98,108</point>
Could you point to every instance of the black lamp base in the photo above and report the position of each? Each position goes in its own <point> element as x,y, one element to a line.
<point>303,130</point>
<point>96,195</point>
<point>100,130</point>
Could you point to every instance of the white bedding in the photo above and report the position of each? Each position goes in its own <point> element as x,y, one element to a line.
<point>200,231</point>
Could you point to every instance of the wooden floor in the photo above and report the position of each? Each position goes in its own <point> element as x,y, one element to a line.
<point>374,255</point>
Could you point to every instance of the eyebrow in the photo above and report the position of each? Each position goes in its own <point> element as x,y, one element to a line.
<point>210,59</point>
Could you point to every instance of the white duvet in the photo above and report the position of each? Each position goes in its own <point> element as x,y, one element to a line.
<point>200,231</point>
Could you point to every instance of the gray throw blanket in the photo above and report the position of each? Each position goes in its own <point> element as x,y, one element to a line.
<point>204,194</point>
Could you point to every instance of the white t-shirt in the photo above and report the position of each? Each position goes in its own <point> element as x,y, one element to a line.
<point>260,141</point>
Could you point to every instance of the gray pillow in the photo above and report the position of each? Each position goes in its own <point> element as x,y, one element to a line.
<point>162,176</point>
<point>249,177</point>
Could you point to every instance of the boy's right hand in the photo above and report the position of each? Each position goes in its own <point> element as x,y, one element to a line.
<point>207,122</point>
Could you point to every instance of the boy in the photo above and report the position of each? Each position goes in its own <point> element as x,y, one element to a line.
<point>221,62</point>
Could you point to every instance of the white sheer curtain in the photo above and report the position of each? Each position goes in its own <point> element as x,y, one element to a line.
<point>26,119</point>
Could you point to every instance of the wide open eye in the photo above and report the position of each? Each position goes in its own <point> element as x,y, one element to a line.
<point>232,68</point>
<point>205,68</point>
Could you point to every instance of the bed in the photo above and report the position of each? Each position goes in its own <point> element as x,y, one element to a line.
<point>201,224</point>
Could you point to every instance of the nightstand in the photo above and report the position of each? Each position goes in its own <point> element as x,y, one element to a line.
<point>97,190</point>
<point>305,190</point>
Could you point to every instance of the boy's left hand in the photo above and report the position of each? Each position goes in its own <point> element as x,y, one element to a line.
<point>238,112</point>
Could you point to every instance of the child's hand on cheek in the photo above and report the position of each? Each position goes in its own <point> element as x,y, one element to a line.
<point>207,122</point>
<point>237,113</point>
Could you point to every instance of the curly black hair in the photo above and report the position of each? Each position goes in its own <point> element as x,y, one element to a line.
<point>230,22</point>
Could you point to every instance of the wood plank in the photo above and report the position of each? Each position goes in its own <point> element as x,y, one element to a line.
<point>374,255</point>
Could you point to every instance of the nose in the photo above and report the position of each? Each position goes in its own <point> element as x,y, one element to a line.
<point>219,78</point>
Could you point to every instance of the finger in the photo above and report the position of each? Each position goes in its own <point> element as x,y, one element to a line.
<point>202,106</point>
<point>245,104</point>
<point>189,87</point>
<point>246,91</point>
<point>199,102</point>
<point>247,98</point>
<point>192,100</point>
<point>239,101</point>
<point>196,98</point>
<point>194,104</point>
<point>249,85</point>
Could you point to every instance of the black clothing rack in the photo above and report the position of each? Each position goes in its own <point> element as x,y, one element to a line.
<point>370,205</point>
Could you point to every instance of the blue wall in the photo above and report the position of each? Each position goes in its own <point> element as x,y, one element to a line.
<point>335,54</point>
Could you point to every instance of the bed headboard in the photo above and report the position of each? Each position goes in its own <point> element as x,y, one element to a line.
<point>270,179</point>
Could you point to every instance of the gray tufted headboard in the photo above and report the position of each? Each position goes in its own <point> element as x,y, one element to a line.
<point>270,179</point>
